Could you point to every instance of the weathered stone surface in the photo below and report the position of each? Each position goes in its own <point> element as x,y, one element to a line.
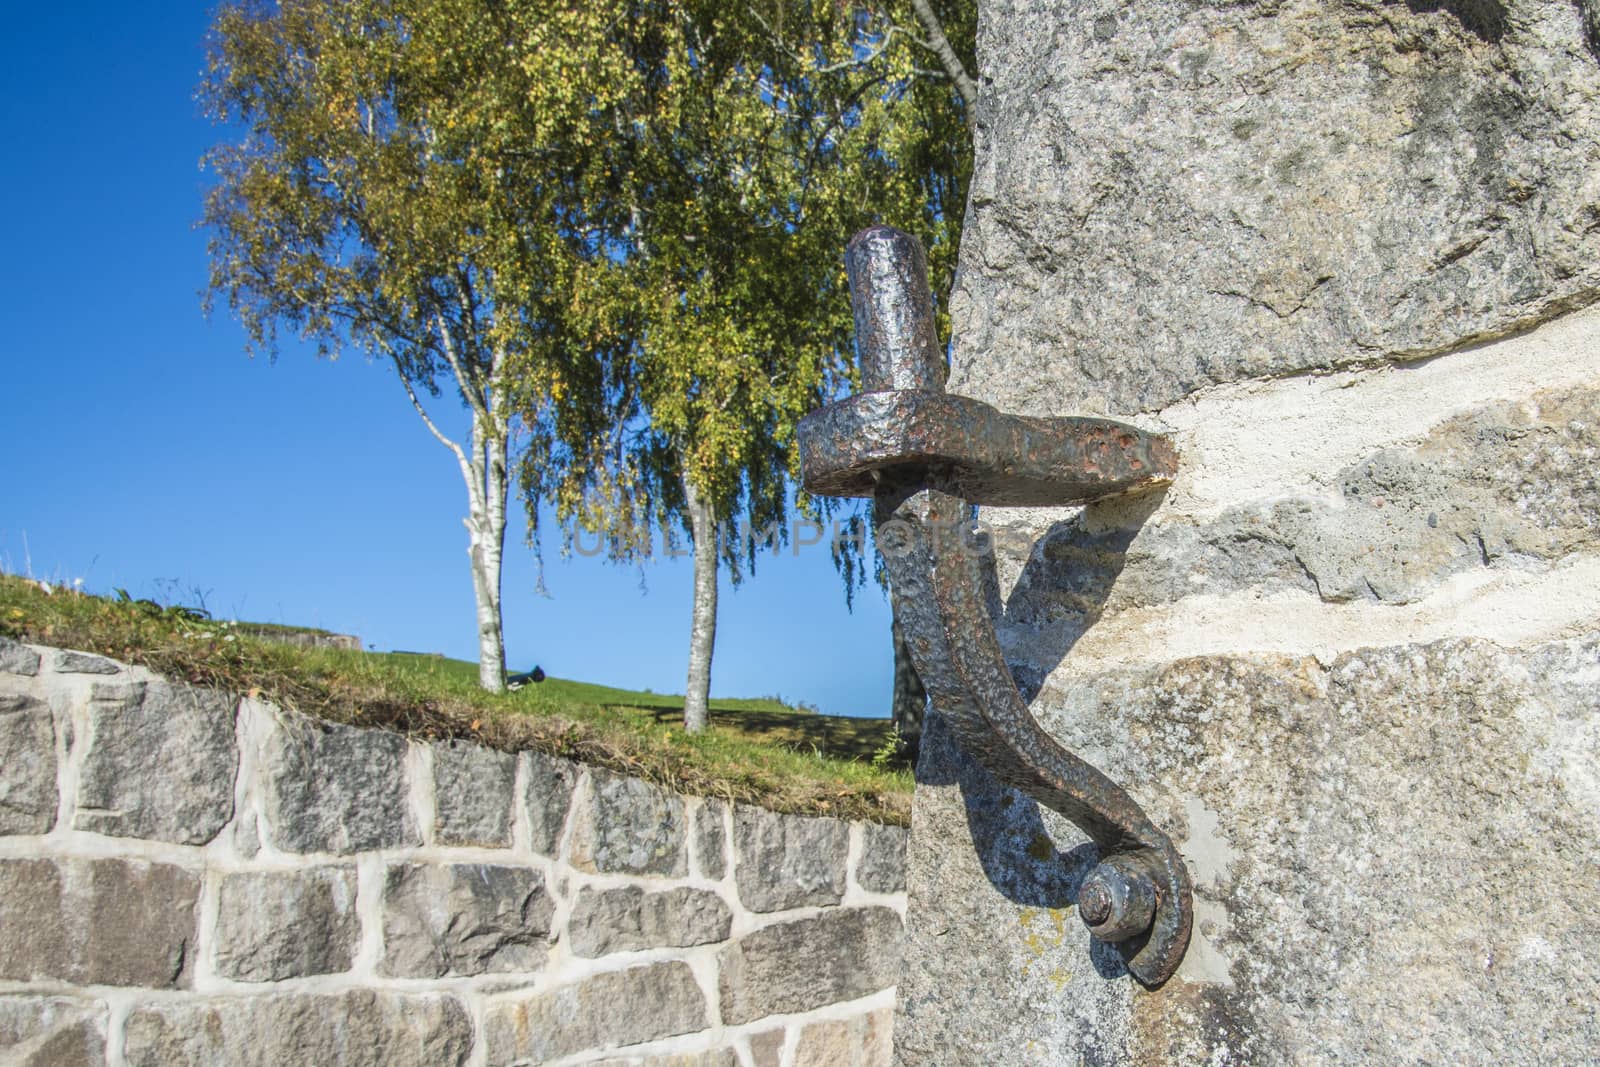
<point>52,1032</point>
<point>795,966</point>
<point>27,766</point>
<point>788,861</point>
<point>304,638</point>
<point>464,919</point>
<point>719,1057</point>
<point>766,1048</point>
<point>547,793</point>
<point>473,794</point>
<point>609,1010</point>
<point>332,788</point>
<point>1180,210</point>
<point>972,839</point>
<point>17,658</point>
<point>882,866</point>
<point>860,1042</point>
<point>1497,487</point>
<point>356,1029</point>
<point>1403,811</point>
<point>629,919</point>
<point>159,763</point>
<point>627,826</point>
<point>1192,194</point>
<point>711,838</point>
<point>66,661</point>
<point>97,922</point>
<point>273,925</point>
<point>247,834</point>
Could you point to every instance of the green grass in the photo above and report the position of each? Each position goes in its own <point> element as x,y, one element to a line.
<point>762,719</point>
<point>756,751</point>
<point>441,667</point>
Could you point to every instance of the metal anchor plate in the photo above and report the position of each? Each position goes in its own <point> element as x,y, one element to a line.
<point>926,457</point>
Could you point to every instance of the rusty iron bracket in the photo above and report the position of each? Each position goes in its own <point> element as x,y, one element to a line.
<point>926,458</point>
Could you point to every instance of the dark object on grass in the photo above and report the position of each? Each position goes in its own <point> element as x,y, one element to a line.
<point>517,681</point>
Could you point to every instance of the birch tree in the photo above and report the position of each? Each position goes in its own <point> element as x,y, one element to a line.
<point>745,143</point>
<point>392,189</point>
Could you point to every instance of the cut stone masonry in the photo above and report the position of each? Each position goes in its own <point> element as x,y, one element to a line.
<point>186,878</point>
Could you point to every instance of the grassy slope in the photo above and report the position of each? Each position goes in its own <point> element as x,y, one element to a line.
<point>756,750</point>
<point>761,719</point>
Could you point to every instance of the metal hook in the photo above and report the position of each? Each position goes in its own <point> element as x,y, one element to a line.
<point>926,457</point>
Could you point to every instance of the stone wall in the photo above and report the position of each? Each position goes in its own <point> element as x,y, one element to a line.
<point>303,638</point>
<point>1344,253</point>
<point>187,878</point>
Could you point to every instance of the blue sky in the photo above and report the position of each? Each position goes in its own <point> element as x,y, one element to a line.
<point>144,449</point>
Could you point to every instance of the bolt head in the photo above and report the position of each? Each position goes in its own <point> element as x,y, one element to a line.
<point>1116,903</point>
<point>1094,903</point>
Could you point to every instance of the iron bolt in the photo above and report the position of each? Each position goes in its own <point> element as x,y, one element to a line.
<point>1116,903</point>
<point>1094,903</point>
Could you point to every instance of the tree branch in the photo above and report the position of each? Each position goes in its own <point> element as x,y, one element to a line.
<point>471,391</point>
<point>426,420</point>
<point>853,63</point>
<point>965,86</point>
<point>468,298</point>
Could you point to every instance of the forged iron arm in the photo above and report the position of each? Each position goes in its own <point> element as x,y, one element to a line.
<point>926,457</point>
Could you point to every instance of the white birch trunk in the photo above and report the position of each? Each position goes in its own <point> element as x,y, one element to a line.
<point>485,562</point>
<point>484,470</point>
<point>486,536</point>
<point>703,621</point>
<point>485,546</point>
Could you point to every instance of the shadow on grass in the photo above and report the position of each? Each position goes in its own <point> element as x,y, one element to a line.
<point>762,719</point>
<point>835,736</point>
